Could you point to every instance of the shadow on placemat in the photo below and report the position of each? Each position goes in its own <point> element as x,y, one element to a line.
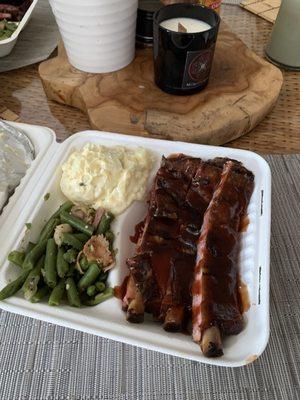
<point>44,361</point>
<point>36,42</point>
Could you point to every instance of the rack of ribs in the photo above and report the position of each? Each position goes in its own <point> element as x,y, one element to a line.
<point>217,309</point>
<point>162,269</point>
<point>161,273</point>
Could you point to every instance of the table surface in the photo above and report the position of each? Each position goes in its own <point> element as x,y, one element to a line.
<point>22,92</point>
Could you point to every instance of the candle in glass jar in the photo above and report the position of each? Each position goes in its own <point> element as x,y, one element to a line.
<point>188,25</point>
<point>182,61</point>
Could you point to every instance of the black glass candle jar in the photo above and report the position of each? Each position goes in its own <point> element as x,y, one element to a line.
<point>183,60</point>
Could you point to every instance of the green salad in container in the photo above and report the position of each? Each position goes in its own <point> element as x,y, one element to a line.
<point>7,29</point>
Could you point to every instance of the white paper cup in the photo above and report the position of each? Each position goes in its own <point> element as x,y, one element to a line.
<point>99,35</point>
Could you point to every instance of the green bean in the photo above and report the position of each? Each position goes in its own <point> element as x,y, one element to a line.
<point>71,271</point>
<point>64,207</point>
<point>105,222</point>
<point>40,294</point>
<point>82,237</point>
<point>100,286</point>
<point>89,277</point>
<point>14,286</point>
<point>49,229</point>
<point>76,223</point>
<point>99,298</point>
<point>30,246</point>
<point>50,273</point>
<point>70,256</point>
<point>72,293</point>
<point>61,264</point>
<point>34,255</point>
<point>84,264</point>
<point>31,284</point>
<point>16,257</point>
<point>91,290</point>
<point>57,293</point>
<point>110,236</point>
<point>70,240</point>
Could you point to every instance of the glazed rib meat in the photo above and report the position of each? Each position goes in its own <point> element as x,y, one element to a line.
<point>157,247</point>
<point>166,250</point>
<point>216,303</point>
<point>185,266</point>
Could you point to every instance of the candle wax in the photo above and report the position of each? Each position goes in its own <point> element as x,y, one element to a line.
<point>191,25</point>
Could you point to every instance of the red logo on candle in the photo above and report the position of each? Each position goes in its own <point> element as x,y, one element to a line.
<point>199,67</point>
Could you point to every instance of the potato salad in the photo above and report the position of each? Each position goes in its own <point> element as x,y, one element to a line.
<point>106,177</point>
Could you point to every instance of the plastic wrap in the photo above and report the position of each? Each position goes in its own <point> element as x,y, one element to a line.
<point>16,155</point>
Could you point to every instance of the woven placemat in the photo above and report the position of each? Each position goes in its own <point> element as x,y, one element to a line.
<point>267,9</point>
<point>40,361</point>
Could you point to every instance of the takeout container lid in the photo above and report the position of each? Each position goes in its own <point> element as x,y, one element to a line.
<point>7,45</point>
<point>107,319</point>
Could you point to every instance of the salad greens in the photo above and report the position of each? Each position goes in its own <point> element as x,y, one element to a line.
<point>7,29</point>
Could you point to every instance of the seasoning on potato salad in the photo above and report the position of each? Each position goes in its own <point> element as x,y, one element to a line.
<point>106,177</point>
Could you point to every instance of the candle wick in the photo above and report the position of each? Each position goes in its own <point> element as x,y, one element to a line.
<point>181,28</point>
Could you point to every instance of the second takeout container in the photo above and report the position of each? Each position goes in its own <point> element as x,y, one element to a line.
<point>99,35</point>
<point>7,45</point>
<point>107,319</point>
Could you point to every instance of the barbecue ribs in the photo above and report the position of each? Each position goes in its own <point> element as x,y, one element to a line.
<point>183,211</point>
<point>217,307</point>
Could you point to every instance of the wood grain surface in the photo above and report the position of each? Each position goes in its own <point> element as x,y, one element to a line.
<point>243,88</point>
<point>278,133</point>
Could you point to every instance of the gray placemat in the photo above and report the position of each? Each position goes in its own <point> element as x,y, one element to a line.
<point>44,361</point>
<point>36,42</point>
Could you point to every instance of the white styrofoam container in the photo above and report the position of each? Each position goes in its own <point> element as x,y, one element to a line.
<point>41,138</point>
<point>107,319</point>
<point>99,36</point>
<point>7,45</point>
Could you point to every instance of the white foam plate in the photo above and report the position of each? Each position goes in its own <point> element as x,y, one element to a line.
<point>107,319</point>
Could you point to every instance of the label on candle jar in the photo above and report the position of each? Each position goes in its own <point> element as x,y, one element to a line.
<point>197,67</point>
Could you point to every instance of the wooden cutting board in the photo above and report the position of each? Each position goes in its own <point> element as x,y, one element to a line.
<point>243,89</point>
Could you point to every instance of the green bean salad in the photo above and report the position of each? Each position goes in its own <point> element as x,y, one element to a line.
<point>7,29</point>
<point>70,261</point>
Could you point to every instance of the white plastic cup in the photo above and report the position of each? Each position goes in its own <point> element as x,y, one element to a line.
<point>99,35</point>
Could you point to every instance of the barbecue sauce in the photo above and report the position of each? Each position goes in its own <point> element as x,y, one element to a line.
<point>245,221</point>
<point>120,290</point>
<point>137,232</point>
